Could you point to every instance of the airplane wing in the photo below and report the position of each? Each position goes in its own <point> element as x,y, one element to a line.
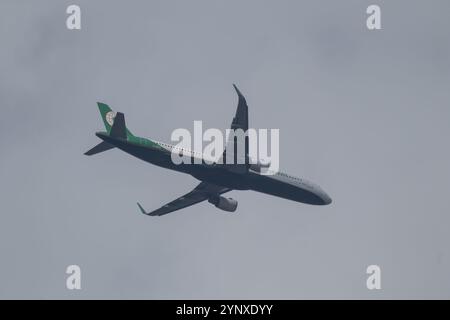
<point>240,121</point>
<point>200,193</point>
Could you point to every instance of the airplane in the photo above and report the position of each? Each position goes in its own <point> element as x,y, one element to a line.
<point>216,179</point>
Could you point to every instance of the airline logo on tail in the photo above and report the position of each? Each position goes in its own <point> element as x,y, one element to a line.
<point>110,117</point>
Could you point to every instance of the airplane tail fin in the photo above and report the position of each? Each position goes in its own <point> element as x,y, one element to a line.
<point>109,117</point>
<point>115,127</point>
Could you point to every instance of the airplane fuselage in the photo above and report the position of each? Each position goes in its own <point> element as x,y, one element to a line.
<point>279,184</point>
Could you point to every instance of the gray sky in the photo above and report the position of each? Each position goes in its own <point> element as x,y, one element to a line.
<point>362,113</point>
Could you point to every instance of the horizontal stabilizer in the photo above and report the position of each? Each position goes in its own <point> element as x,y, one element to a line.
<point>102,146</point>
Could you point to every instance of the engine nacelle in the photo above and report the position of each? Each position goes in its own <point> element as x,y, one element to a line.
<point>259,164</point>
<point>225,204</point>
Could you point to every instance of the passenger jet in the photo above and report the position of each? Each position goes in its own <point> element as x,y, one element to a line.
<point>216,179</point>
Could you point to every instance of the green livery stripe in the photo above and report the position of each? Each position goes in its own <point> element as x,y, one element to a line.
<point>108,115</point>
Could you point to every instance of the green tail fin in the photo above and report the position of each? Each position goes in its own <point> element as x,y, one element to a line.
<point>108,116</point>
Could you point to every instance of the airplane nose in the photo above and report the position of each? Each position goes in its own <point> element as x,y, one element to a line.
<point>322,198</point>
<point>327,200</point>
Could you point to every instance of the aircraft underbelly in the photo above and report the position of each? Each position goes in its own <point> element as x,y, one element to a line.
<point>223,177</point>
<point>220,176</point>
<point>275,187</point>
<point>149,155</point>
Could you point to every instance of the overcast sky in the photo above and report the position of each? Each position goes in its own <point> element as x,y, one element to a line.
<point>364,114</point>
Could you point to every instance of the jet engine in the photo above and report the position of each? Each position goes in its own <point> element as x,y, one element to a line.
<point>225,204</point>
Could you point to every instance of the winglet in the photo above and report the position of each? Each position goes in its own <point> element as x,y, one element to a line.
<point>142,209</point>
<point>238,92</point>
